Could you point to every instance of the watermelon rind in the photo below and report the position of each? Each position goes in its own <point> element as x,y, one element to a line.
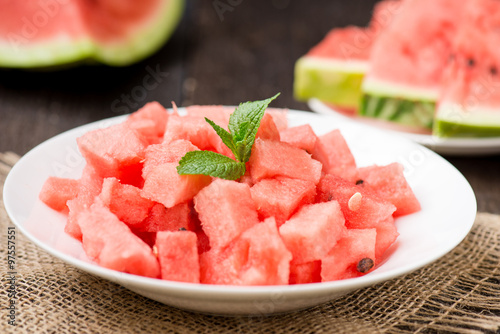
<point>60,50</point>
<point>406,105</point>
<point>455,120</point>
<point>331,80</point>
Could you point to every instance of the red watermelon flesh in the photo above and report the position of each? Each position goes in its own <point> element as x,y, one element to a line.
<point>226,210</point>
<point>116,151</point>
<point>257,257</point>
<point>333,152</point>
<point>166,152</point>
<point>90,185</point>
<point>164,185</point>
<point>313,231</point>
<point>161,218</point>
<point>301,136</point>
<point>272,158</point>
<point>370,211</point>
<point>343,259</point>
<point>150,121</point>
<point>344,43</point>
<point>302,273</point>
<point>45,33</point>
<point>390,184</point>
<point>56,191</point>
<point>281,197</point>
<point>110,243</point>
<point>267,128</point>
<point>178,256</point>
<point>125,201</point>
<point>386,235</point>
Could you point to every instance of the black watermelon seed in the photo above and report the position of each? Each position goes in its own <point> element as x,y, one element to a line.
<point>364,265</point>
<point>358,182</point>
<point>182,229</point>
<point>330,197</point>
<point>471,62</point>
<point>493,70</point>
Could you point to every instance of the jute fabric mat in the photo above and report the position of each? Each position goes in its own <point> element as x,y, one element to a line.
<point>460,293</point>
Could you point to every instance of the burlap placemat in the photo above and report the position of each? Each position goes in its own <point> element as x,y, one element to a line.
<point>460,293</point>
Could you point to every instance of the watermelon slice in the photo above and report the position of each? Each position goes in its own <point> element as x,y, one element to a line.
<point>54,32</point>
<point>333,70</point>
<point>470,97</point>
<point>403,84</point>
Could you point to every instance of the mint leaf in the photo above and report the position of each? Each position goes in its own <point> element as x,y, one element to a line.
<point>210,163</point>
<point>244,123</point>
<point>226,137</point>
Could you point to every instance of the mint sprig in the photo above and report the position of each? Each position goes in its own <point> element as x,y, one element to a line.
<point>243,125</point>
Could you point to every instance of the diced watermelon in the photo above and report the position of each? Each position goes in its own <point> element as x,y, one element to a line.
<point>164,185</point>
<point>166,152</point>
<point>125,201</point>
<point>90,185</point>
<point>226,210</point>
<point>280,117</point>
<point>301,136</point>
<point>333,152</point>
<point>342,261</point>
<point>116,151</point>
<point>178,256</point>
<point>387,234</point>
<point>301,273</point>
<point>219,114</point>
<point>110,243</point>
<point>271,158</point>
<point>56,191</point>
<point>268,129</point>
<point>150,121</point>
<point>390,184</point>
<point>280,197</point>
<point>367,213</point>
<point>161,218</point>
<point>257,257</point>
<point>313,231</point>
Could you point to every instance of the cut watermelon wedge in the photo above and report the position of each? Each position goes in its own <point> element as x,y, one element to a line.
<point>55,32</point>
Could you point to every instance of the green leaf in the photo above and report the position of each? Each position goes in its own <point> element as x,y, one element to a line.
<point>244,123</point>
<point>210,163</point>
<point>226,137</point>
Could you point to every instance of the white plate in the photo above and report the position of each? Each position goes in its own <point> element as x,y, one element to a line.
<point>448,212</point>
<point>445,146</point>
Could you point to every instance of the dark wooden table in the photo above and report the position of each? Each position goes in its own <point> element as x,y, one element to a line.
<point>213,58</point>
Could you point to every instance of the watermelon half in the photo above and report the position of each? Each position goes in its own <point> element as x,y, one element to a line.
<point>45,33</point>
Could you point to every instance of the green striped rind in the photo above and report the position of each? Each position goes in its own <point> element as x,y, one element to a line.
<point>333,81</point>
<point>453,120</point>
<point>17,52</point>
<point>415,113</point>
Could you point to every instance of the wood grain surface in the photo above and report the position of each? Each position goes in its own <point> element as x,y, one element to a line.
<point>244,53</point>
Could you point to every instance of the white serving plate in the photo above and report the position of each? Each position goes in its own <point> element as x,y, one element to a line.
<point>445,146</point>
<point>447,215</point>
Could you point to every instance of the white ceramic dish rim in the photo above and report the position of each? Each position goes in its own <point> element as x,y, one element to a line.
<point>447,146</point>
<point>213,293</point>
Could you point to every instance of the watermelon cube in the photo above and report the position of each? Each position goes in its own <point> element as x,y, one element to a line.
<point>219,114</point>
<point>301,136</point>
<point>161,218</point>
<point>178,256</point>
<point>89,186</point>
<point>125,201</point>
<point>313,231</point>
<point>267,129</point>
<point>353,255</point>
<point>166,152</point>
<point>149,121</point>
<point>281,197</point>
<point>164,185</point>
<point>56,191</point>
<point>116,151</point>
<point>257,257</point>
<point>111,244</point>
<point>302,273</point>
<point>226,210</point>
<point>387,234</point>
<point>391,185</point>
<point>272,158</point>
<point>369,210</point>
<point>333,152</point>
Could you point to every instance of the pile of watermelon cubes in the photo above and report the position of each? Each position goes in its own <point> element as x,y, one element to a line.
<point>302,213</point>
